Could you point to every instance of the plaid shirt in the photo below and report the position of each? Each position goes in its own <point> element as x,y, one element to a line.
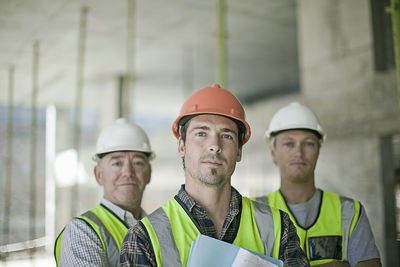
<point>137,248</point>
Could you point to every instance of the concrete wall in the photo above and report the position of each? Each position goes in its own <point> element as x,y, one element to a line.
<point>355,104</point>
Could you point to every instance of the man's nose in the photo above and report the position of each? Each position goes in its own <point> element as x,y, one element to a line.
<point>214,145</point>
<point>128,169</point>
<point>298,149</point>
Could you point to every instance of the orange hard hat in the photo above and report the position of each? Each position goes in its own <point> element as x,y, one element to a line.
<point>213,100</point>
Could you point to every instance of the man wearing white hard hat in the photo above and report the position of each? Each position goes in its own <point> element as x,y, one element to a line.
<point>123,169</point>
<point>333,230</point>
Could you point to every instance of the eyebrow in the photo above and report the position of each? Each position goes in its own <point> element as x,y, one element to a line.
<point>121,156</point>
<point>293,138</point>
<point>225,130</point>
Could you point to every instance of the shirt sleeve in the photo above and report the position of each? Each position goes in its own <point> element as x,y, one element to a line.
<point>362,243</point>
<point>137,250</point>
<point>289,251</point>
<point>80,246</point>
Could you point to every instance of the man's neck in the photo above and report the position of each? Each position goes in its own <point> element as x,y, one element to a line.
<point>134,208</point>
<point>296,193</point>
<point>214,200</point>
<point>136,212</point>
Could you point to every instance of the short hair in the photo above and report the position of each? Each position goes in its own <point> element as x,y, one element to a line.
<point>183,126</point>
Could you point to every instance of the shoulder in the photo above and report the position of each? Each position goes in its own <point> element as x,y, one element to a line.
<point>345,201</point>
<point>79,228</point>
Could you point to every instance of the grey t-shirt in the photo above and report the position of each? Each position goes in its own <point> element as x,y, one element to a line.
<point>361,244</point>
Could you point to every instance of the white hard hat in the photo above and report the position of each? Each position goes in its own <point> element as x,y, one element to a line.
<point>123,135</point>
<point>294,116</point>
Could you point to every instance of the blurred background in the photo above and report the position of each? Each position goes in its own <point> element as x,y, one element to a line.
<point>69,68</point>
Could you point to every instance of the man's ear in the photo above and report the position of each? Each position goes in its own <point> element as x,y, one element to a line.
<point>181,147</point>
<point>149,178</point>
<point>97,174</point>
<point>239,155</point>
<point>273,156</point>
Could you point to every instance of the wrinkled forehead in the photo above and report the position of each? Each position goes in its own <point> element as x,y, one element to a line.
<point>125,154</point>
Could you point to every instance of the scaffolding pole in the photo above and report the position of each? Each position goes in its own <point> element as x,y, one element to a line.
<point>128,80</point>
<point>33,143</point>
<point>394,10</point>
<point>221,51</point>
<point>9,155</point>
<point>78,105</point>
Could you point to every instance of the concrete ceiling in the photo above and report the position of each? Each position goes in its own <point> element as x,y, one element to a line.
<point>175,50</point>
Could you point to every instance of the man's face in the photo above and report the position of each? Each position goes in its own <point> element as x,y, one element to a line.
<point>211,149</point>
<point>296,152</point>
<point>124,176</point>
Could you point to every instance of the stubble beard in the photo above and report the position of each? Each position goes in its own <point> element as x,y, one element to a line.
<point>212,178</point>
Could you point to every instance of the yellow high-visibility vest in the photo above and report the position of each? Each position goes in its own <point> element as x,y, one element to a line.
<point>108,227</point>
<point>171,231</point>
<point>326,240</point>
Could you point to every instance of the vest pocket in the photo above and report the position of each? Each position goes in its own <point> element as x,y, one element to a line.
<point>325,247</point>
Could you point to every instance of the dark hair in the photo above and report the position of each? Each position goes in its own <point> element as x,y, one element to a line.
<point>183,126</point>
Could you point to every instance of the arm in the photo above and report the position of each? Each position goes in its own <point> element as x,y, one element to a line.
<point>290,252</point>
<point>362,251</point>
<point>370,263</point>
<point>137,250</point>
<point>367,263</point>
<point>80,246</point>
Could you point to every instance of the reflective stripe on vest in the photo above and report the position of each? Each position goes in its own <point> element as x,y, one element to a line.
<point>108,227</point>
<point>172,244</point>
<point>327,239</point>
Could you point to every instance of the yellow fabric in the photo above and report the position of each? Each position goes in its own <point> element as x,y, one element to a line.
<point>114,226</point>
<point>355,218</point>
<point>154,240</point>
<point>248,230</point>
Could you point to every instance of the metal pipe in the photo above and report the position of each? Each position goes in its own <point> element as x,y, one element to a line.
<point>33,142</point>
<point>127,110</point>
<point>9,155</point>
<point>222,49</point>
<point>78,104</point>
<point>394,9</point>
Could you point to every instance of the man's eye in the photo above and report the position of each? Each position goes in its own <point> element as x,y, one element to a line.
<point>227,136</point>
<point>138,163</point>
<point>310,144</point>
<point>116,163</point>
<point>288,144</point>
<point>200,134</point>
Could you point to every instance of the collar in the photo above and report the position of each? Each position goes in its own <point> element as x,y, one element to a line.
<point>124,215</point>
<point>234,205</point>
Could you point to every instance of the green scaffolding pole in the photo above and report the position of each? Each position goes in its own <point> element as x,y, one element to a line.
<point>128,80</point>
<point>78,105</point>
<point>9,154</point>
<point>394,10</point>
<point>221,52</point>
<point>33,140</point>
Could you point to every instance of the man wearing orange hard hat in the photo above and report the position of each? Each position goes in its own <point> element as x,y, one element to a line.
<point>211,130</point>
